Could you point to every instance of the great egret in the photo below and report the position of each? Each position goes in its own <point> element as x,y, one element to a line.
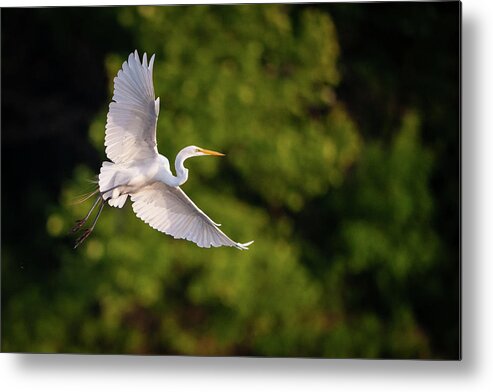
<point>139,171</point>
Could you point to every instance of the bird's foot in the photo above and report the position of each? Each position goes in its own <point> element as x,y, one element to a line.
<point>78,224</point>
<point>82,238</point>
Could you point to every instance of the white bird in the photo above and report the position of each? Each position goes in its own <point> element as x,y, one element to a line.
<point>139,171</point>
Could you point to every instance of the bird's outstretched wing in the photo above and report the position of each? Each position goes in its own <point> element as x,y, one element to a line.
<point>132,118</point>
<point>169,210</point>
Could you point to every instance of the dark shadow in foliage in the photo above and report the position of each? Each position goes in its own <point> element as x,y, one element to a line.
<point>53,83</point>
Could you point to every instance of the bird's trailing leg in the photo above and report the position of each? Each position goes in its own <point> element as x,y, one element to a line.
<point>81,222</point>
<point>88,231</point>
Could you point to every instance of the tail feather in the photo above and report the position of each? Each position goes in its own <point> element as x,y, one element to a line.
<point>107,177</point>
<point>119,201</point>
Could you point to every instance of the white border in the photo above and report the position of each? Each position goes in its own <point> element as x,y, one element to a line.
<point>474,373</point>
<point>58,3</point>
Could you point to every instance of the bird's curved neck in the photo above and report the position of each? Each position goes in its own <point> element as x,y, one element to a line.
<point>181,170</point>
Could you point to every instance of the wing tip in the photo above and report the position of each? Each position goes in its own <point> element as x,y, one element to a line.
<point>151,62</point>
<point>134,56</point>
<point>244,246</point>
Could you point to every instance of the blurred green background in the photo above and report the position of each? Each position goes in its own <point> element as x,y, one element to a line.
<point>340,123</point>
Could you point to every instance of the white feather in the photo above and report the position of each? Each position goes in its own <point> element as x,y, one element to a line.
<point>132,118</point>
<point>169,210</point>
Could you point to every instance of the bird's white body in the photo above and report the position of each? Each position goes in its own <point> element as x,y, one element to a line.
<point>138,171</point>
<point>128,178</point>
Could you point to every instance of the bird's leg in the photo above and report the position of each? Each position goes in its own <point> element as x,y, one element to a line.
<point>103,202</point>
<point>87,232</point>
<point>81,222</point>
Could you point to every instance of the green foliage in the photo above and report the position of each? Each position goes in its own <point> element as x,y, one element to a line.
<point>341,224</point>
<point>385,236</point>
<point>389,216</point>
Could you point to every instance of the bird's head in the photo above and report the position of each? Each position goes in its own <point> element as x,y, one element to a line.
<point>189,152</point>
<point>194,151</point>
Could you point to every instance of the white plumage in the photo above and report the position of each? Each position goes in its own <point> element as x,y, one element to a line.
<point>132,118</point>
<point>169,210</point>
<point>139,171</point>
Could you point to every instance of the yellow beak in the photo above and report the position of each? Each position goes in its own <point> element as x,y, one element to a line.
<point>210,152</point>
